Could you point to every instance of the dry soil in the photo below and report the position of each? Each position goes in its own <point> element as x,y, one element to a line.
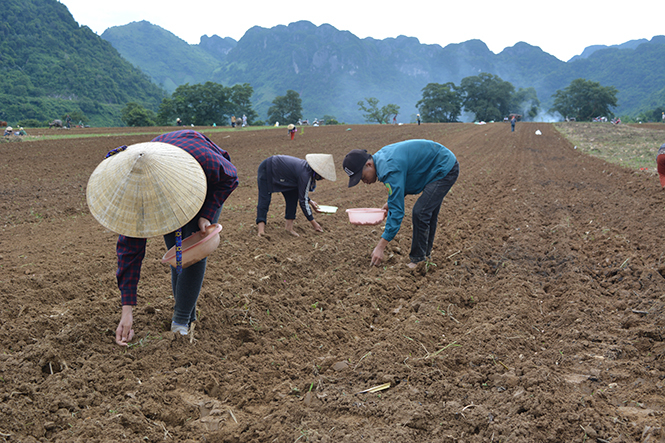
<point>540,318</point>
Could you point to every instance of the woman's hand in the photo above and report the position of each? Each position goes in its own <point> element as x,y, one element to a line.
<point>124,333</point>
<point>203,224</point>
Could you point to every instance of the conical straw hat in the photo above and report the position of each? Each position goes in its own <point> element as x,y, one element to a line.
<point>322,164</point>
<point>148,189</point>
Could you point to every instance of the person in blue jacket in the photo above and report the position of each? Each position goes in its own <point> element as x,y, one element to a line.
<point>410,167</point>
<point>295,178</point>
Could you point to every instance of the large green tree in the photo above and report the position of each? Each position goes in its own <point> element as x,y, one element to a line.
<point>286,109</point>
<point>487,96</point>
<point>205,104</point>
<point>241,101</point>
<point>584,100</point>
<point>440,103</point>
<point>372,112</point>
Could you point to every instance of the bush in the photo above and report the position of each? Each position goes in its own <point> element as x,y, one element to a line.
<point>329,120</point>
<point>32,123</point>
<point>134,114</point>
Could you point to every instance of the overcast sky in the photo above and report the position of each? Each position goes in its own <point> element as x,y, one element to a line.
<point>561,28</point>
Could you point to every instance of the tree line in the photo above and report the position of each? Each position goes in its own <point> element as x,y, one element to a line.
<point>490,98</point>
<point>486,96</point>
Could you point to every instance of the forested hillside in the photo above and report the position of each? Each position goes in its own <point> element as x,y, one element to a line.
<point>638,74</point>
<point>51,66</point>
<point>168,60</point>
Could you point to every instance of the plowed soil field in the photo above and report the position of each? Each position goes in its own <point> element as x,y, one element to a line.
<point>541,317</point>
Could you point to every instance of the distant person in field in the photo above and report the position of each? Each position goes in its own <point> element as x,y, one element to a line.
<point>295,179</point>
<point>418,119</point>
<point>512,123</point>
<point>178,121</point>
<point>204,179</point>
<point>8,131</point>
<point>395,119</point>
<point>233,121</point>
<point>660,161</point>
<point>292,130</point>
<point>410,167</point>
<point>244,120</point>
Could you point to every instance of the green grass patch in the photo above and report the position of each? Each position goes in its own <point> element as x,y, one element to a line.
<point>629,146</point>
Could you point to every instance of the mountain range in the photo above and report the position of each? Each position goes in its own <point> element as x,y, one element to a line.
<point>51,65</point>
<point>332,70</point>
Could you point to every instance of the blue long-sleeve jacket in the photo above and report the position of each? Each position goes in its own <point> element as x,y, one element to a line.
<point>406,168</point>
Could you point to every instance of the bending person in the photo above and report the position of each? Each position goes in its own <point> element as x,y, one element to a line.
<point>295,179</point>
<point>173,186</point>
<point>407,168</point>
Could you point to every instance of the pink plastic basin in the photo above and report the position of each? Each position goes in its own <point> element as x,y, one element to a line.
<point>366,216</point>
<point>196,247</point>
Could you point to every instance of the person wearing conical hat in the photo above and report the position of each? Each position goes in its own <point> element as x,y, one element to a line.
<point>292,130</point>
<point>295,178</point>
<point>8,130</point>
<point>173,186</point>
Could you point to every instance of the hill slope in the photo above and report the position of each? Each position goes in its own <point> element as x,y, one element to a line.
<point>168,60</point>
<point>51,66</point>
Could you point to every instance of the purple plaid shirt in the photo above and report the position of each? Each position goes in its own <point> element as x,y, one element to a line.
<point>222,179</point>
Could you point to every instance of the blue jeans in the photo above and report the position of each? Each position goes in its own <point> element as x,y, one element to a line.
<point>425,215</point>
<point>187,285</point>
